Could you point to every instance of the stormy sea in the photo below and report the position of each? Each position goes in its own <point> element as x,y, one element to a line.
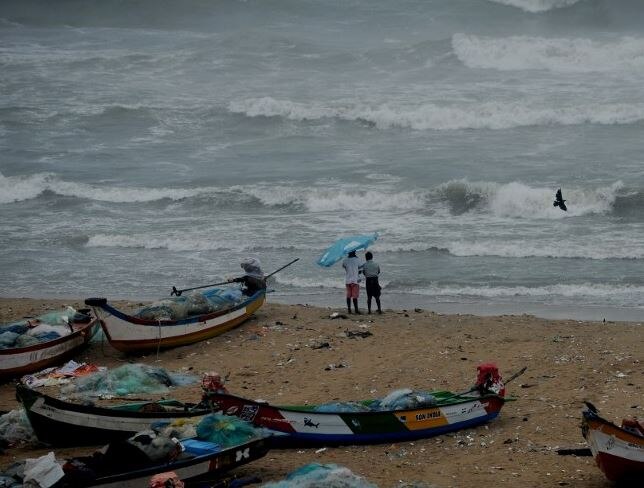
<point>157,143</point>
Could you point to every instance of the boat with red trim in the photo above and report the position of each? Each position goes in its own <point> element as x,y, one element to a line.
<point>618,451</point>
<point>19,361</point>
<point>308,425</point>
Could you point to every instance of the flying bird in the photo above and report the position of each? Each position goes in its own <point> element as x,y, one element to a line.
<point>559,201</point>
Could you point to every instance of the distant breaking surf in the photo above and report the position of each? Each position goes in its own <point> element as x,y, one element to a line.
<point>434,116</point>
<point>537,6</point>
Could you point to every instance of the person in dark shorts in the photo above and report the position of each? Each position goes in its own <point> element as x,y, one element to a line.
<point>371,271</point>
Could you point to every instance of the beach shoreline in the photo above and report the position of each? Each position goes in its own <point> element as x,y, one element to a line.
<point>402,302</point>
<point>271,357</point>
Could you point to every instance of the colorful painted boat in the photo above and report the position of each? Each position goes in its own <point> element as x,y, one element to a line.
<point>129,334</point>
<point>205,466</point>
<point>618,451</point>
<point>442,412</point>
<point>62,423</point>
<point>19,361</point>
<point>303,425</point>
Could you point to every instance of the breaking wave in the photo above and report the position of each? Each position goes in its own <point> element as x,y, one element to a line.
<point>519,200</point>
<point>548,248</point>
<point>558,55</point>
<point>178,243</point>
<point>19,188</point>
<point>185,242</point>
<point>432,116</point>
<point>535,6</point>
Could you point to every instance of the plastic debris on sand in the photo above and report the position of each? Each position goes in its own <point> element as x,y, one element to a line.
<point>316,475</point>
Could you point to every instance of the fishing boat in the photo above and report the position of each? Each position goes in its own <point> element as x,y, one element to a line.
<point>308,425</point>
<point>18,361</point>
<point>202,464</point>
<point>129,333</point>
<point>63,423</point>
<point>618,451</point>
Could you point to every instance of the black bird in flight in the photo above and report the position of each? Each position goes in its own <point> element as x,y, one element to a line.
<point>559,201</point>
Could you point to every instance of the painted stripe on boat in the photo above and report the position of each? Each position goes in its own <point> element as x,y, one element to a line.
<point>84,419</point>
<point>312,422</point>
<point>601,442</point>
<point>21,359</point>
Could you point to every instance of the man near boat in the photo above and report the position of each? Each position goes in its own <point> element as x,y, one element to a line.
<point>253,279</point>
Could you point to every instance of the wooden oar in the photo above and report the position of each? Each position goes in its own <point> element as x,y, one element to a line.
<point>179,292</point>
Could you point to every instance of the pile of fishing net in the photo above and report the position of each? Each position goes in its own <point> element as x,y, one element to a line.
<point>316,475</point>
<point>15,430</point>
<point>226,430</point>
<point>403,399</point>
<point>44,328</point>
<point>196,303</point>
<point>127,379</point>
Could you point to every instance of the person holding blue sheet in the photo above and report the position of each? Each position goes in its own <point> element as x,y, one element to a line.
<point>351,265</point>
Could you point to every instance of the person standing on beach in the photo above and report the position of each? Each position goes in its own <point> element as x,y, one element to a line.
<point>371,271</point>
<point>351,265</point>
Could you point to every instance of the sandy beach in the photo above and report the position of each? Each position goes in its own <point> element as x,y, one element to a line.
<point>270,357</point>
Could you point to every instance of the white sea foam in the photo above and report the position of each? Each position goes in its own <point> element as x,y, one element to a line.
<point>549,248</point>
<point>316,282</point>
<point>432,116</point>
<point>582,290</point>
<point>173,243</point>
<point>558,55</point>
<point>333,199</point>
<point>535,6</point>
<point>18,188</point>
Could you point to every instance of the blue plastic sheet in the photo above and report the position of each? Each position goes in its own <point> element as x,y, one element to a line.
<point>340,248</point>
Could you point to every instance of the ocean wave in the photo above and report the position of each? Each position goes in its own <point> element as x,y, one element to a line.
<point>548,248</point>
<point>431,116</point>
<point>186,242</point>
<point>536,6</point>
<point>585,290</point>
<point>173,243</point>
<point>519,200</point>
<point>311,199</point>
<point>558,55</point>
<point>19,188</point>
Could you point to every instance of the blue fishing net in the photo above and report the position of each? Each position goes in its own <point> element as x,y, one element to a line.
<point>226,430</point>
<point>128,379</point>
<point>316,475</point>
<point>44,328</point>
<point>196,303</point>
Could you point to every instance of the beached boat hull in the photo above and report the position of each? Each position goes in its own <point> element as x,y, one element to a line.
<point>17,362</point>
<point>131,334</point>
<point>617,452</point>
<point>60,423</point>
<point>303,426</point>
<point>206,467</point>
